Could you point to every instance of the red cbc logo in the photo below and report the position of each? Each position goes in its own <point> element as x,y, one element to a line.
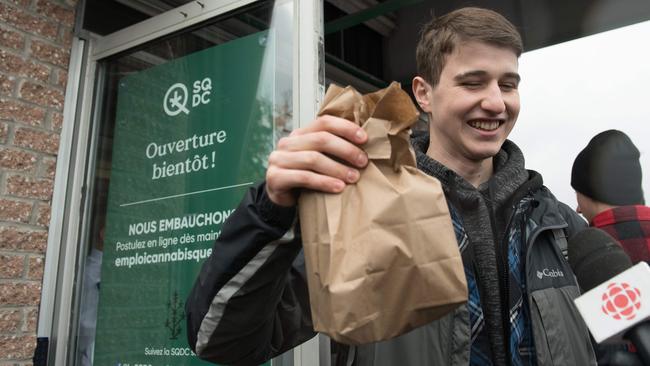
<point>621,301</point>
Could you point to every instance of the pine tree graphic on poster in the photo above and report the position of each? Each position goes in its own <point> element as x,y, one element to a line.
<point>175,316</point>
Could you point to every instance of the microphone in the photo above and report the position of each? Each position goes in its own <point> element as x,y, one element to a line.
<point>617,301</point>
<point>595,257</point>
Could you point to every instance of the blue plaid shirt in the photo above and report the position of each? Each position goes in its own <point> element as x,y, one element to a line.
<point>522,350</point>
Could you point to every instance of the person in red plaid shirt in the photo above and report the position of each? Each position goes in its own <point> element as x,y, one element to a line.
<point>606,176</point>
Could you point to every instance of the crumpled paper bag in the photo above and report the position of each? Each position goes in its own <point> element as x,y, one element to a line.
<point>381,256</point>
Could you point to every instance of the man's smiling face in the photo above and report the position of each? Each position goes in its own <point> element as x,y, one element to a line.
<point>475,104</point>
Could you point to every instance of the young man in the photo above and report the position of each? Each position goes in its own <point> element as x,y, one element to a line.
<point>606,176</point>
<point>250,302</point>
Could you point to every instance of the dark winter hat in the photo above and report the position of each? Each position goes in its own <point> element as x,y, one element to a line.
<point>608,170</point>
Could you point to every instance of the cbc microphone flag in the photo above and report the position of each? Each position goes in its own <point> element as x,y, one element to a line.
<point>617,304</point>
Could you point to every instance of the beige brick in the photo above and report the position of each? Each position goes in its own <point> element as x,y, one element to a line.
<point>19,66</point>
<point>48,167</point>
<point>20,293</point>
<point>12,266</point>
<point>64,15</point>
<point>28,187</point>
<point>42,95</point>
<point>67,34</point>
<point>36,71</point>
<point>46,142</point>
<point>52,54</point>
<point>61,79</point>
<point>31,319</point>
<point>4,132</point>
<point>10,62</point>
<point>21,3</point>
<point>17,347</point>
<point>18,160</point>
<point>15,211</point>
<point>35,268</point>
<point>44,212</point>
<point>7,84</point>
<point>11,110</point>
<point>10,320</point>
<point>14,239</point>
<point>24,21</point>
<point>57,121</point>
<point>11,39</point>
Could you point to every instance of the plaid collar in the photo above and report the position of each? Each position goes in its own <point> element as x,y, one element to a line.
<point>621,214</point>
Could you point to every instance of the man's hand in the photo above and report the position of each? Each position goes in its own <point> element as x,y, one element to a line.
<point>311,158</point>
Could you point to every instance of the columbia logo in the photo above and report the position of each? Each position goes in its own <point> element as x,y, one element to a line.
<point>549,273</point>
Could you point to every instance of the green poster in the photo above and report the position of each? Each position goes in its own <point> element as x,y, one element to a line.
<point>191,136</point>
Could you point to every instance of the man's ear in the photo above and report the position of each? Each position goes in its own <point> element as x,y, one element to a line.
<point>422,92</point>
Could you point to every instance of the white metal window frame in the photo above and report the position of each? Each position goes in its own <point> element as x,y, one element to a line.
<point>76,152</point>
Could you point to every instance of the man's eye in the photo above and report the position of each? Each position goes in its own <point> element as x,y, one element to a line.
<point>508,86</point>
<point>471,84</point>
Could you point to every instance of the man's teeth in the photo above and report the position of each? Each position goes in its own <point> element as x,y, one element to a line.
<point>485,125</point>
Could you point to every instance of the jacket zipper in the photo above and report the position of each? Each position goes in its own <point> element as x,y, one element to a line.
<point>502,261</point>
<point>501,255</point>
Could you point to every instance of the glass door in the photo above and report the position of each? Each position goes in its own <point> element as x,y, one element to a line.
<point>187,107</point>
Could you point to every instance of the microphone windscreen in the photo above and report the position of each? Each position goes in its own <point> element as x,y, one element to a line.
<point>595,257</point>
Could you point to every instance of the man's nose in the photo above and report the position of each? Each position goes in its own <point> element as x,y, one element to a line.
<point>493,100</point>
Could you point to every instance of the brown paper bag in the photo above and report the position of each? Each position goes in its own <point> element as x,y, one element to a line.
<point>381,256</point>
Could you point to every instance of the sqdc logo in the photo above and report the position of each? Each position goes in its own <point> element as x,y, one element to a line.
<point>177,97</point>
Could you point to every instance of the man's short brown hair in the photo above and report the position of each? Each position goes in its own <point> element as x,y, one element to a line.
<point>439,37</point>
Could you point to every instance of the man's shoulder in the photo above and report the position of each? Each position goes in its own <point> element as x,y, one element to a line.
<point>547,200</point>
<point>548,207</point>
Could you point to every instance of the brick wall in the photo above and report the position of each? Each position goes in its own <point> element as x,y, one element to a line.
<point>35,40</point>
